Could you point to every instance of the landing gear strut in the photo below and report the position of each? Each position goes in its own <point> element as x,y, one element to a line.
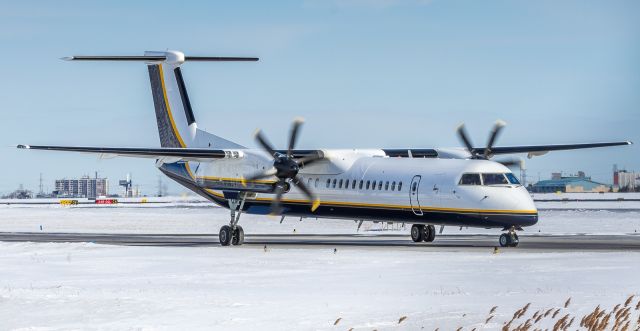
<point>233,234</point>
<point>420,232</point>
<point>509,239</point>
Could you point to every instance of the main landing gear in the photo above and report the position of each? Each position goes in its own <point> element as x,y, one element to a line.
<point>420,232</point>
<point>233,234</point>
<point>509,239</point>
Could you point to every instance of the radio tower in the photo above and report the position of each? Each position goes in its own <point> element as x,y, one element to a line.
<point>41,189</point>
<point>159,185</point>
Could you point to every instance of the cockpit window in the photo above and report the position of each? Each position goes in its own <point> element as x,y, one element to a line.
<point>512,179</point>
<point>494,179</point>
<point>470,179</point>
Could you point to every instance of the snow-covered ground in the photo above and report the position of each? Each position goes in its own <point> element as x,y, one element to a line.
<point>60,286</point>
<point>88,286</point>
<point>205,218</point>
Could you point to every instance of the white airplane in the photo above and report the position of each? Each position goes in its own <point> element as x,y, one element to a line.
<point>425,187</point>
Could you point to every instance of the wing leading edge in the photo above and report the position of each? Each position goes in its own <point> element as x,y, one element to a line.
<point>189,154</point>
<point>198,154</point>
<point>534,150</point>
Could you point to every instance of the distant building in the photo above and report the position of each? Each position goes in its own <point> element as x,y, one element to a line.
<point>626,181</point>
<point>20,193</point>
<point>85,187</point>
<point>569,184</point>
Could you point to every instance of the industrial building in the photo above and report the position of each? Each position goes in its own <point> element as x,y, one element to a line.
<point>569,184</point>
<point>84,187</point>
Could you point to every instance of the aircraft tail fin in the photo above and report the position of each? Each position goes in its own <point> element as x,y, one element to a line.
<point>177,125</point>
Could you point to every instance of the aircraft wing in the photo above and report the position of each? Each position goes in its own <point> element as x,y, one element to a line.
<point>167,155</point>
<point>535,150</point>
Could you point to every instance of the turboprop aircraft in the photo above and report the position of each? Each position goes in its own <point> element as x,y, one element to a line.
<point>421,186</point>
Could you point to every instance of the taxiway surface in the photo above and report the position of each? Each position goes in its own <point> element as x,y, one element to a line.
<point>577,242</point>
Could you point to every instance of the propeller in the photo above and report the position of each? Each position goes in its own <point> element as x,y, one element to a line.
<point>286,168</point>
<point>493,136</point>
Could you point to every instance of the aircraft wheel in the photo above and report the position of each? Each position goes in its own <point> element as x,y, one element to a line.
<point>225,235</point>
<point>238,236</point>
<point>417,233</point>
<point>505,240</point>
<point>426,232</point>
<point>430,233</point>
<point>514,240</point>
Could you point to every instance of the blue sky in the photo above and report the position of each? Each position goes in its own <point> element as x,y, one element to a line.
<point>379,73</point>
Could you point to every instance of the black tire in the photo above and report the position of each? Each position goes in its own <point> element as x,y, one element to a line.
<point>505,240</point>
<point>417,233</point>
<point>514,240</point>
<point>238,236</point>
<point>430,233</point>
<point>425,233</point>
<point>224,236</point>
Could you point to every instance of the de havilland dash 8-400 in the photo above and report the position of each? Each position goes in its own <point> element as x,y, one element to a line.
<point>424,187</point>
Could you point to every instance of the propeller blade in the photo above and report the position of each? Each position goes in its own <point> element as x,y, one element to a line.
<point>293,135</point>
<point>315,202</point>
<point>264,143</point>
<point>276,204</point>
<point>493,136</point>
<point>464,137</point>
<point>309,159</point>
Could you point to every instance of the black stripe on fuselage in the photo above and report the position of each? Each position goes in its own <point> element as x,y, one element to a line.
<point>234,185</point>
<point>178,172</point>
<point>186,104</point>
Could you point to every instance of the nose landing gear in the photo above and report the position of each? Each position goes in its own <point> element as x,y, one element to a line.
<point>509,239</point>
<point>420,232</point>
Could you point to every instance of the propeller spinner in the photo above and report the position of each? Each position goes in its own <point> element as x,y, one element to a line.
<point>286,168</point>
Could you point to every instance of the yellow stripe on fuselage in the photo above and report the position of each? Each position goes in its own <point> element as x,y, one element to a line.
<point>237,179</point>
<point>166,102</point>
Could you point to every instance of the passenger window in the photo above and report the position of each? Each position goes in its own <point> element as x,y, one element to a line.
<point>368,184</point>
<point>399,186</point>
<point>470,179</point>
<point>309,182</point>
<point>393,186</point>
<point>328,182</point>
<point>512,179</point>
<point>494,179</point>
<point>340,184</point>
<point>333,184</point>
<point>380,186</point>
<point>353,184</point>
<point>346,184</point>
<point>317,181</point>
<point>386,186</point>
<point>373,185</point>
<point>361,182</point>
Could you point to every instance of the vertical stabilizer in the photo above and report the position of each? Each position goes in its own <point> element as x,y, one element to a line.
<point>176,121</point>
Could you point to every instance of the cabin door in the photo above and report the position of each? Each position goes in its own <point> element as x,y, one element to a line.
<point>414,198</point>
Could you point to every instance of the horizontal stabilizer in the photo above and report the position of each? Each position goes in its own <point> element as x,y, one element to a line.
<point>151,58</point>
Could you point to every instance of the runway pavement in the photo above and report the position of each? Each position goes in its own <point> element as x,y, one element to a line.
<point>578,242</point>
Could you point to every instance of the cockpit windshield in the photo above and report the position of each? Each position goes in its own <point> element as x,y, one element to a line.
<point>488,179</point>
<point>512,179</point>
<point>470,179</point>
<point>494,179</point>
